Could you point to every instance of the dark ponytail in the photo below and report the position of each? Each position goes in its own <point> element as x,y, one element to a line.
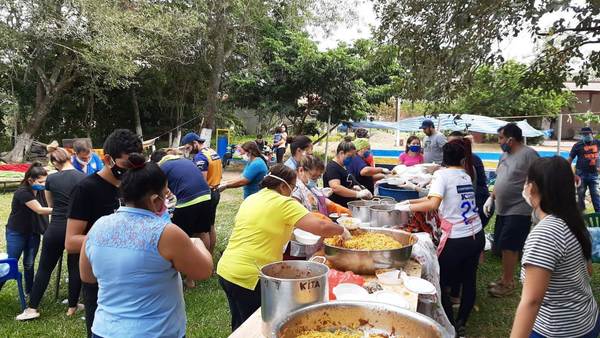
<point>553,178</point>
<point>35,171</point>
<point>299,142</point>
<point>279,170</point>
<point>142,179</point>
<point>346,145</point>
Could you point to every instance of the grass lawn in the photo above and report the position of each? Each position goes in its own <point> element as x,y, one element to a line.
<point>207,310</point>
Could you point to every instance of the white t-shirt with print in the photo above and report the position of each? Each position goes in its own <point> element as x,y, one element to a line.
<point>458,206</point>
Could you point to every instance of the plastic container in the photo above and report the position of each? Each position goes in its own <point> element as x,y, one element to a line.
<point>397,193</point>
<point>305,237</point>
<point>349,291</point>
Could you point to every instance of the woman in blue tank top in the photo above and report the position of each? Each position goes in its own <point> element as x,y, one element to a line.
<point>136,255</point>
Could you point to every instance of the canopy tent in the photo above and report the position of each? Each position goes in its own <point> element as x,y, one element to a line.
<point>448,122</point>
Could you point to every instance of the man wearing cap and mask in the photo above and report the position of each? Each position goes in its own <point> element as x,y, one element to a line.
<point>211,166</point>
<point>586,167</point>
<point>433,143</point>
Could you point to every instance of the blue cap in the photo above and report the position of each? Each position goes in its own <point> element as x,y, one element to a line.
<point>586,130</point>
<point>191,137</point>
<point>427,123</point>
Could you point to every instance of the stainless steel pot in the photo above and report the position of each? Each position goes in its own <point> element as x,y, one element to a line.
<point>360,208</point>
<point>384,215</point>
<point>366,262</point>
<point>371,316</point>
<point>290,285</point>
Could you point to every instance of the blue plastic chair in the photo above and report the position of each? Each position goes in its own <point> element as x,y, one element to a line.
<point>13,273</point>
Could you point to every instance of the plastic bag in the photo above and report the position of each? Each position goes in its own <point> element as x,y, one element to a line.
<point>335,277</point>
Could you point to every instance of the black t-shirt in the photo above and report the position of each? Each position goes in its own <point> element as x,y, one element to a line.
<point>334,171</point>
<point>61,186</point>
<point>93,198</point>
<point>22,219</point>
<point>587,156</point>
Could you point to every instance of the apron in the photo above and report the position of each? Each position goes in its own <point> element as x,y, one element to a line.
<point>321,202</point>
<point>446,227</point>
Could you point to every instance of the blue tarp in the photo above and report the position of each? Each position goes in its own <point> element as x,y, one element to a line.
<point>448,122</point>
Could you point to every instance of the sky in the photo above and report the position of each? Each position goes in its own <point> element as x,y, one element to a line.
<point>520,48</point>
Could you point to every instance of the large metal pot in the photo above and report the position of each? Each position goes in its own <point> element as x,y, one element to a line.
<point>384,215</point>
<point>374,317</point>
<point>366,262</point>
<point>360,208</point>
<point>290,285</point>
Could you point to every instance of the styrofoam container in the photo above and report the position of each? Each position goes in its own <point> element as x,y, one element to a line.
<point>390,277</point>
<point>349,291</point>
<point>392,298</point>
<point>305,237</point>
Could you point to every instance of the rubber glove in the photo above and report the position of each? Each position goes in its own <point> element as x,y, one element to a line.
<point>357,188</point>
<point>385,171</point>
<point>488,206</point>
<point>364,194</point>
<point>327,192</point>
<point>346,235</point>
<point>402,207</point>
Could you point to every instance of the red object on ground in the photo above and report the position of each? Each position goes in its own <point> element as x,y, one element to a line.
<point>335,277</point>
<point>22,167</point>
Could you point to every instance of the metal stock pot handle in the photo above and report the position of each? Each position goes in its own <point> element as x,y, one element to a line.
<point>318,259</point>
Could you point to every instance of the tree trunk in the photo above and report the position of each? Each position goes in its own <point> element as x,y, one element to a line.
<point>24,139</point>
<point>136,113</point>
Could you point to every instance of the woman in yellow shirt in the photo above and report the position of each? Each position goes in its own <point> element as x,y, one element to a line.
<point>263,226</point>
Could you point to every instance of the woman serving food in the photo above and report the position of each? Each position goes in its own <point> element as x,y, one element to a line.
<point>262,227</point>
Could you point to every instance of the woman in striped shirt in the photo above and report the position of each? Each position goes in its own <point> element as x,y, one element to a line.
<point>557,299</point>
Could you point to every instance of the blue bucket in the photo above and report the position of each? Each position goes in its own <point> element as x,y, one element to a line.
<point>396,193</point>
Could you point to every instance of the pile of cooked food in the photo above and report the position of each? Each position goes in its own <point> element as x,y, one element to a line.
<point>363,240</point>
<point>339,334</point>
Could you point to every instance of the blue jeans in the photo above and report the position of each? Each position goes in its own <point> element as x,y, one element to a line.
<point>592,334</point>
<point>28,245</point>
<point>588,181</point>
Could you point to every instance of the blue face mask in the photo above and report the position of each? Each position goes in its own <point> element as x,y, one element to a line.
<point>38,187</point>
<point>505,147</point>
<point>347,161</point>
<point>311,184</point>
<point>367,154</point>
<point>587,138</point>
<point>415,149</point>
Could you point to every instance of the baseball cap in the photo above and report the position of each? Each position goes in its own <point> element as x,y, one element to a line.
<point>191,137</point>
<point>586,130</point>
<point>427,123</point>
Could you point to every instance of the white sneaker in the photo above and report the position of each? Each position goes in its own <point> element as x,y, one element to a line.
<point>28,314</point>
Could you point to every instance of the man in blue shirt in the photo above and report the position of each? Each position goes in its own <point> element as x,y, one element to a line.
<point>85,160</point>
<point>586,167</point>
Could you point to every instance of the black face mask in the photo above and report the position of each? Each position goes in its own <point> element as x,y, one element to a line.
<point>117,171</point>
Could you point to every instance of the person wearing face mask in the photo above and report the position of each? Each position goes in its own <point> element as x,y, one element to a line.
<point>308,193</point>
<point>433,143</point>
<point>300,146</point>
<point>462,241</point>
<point>58,194</point>
<point>513,214</point>
<point>557,298</point>
<point>193,209</point>
<point>365,174</point>
<point>140,292</point>
<point>24,227</point>
<point>96,196</point>
<point>412,154</point>
<point>340,180</point>
<point>254,172</point>
<point>262,226</point>
<point>586,168</point>
<point>86,160</point>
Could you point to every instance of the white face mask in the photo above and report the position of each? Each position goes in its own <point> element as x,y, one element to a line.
<point>526,196</point>
<point>282,180</point>
<point>83,163</point>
